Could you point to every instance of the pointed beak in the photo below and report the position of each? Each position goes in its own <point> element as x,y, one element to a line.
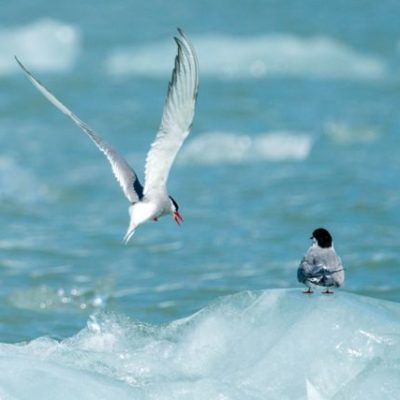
<point>178,218</point>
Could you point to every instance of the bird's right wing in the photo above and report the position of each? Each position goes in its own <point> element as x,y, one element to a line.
<point>177,116</point>
<point>124,174</point>
<point>308,269</point>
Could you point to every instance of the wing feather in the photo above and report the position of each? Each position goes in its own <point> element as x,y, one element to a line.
<point>124,174</point>
<point>177,116</point>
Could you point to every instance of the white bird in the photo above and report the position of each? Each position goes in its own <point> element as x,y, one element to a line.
<point>151,201</point>
<point>321,265</point>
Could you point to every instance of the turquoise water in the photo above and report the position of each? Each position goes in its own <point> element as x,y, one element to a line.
<point>297,126</point>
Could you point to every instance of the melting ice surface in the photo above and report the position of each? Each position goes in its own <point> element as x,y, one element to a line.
<point>275,344</point>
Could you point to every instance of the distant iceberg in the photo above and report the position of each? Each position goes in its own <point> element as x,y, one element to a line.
<point>234,148</point>
<point>45,45</point>
<point>274,344</point>
<point>279,54</point>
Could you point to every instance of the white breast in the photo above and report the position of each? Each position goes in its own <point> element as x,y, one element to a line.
<point>141,212</point>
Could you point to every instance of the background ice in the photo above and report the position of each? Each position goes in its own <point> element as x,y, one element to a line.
<point>45,45</point>
<point>275,344</point>
<point>226,147</point>
<point>232,57</point>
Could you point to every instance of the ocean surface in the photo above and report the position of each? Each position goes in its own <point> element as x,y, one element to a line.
<point>297,126</point>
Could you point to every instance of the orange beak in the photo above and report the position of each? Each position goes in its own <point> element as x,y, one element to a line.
<point>178,218</point>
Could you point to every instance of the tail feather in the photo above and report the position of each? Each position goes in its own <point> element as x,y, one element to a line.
<point>129,233</point>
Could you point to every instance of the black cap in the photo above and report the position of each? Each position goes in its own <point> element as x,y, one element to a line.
<point>323,237</point>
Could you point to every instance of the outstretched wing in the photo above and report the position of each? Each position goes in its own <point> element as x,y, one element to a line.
<point>177,116</point>
<point>124,174</point>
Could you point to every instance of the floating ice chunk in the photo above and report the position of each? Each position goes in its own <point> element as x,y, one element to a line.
<point>46,45</point>
<point>276,344</point>
<point>223,147</point>
<point>229,57</point>
<point>343,133</point>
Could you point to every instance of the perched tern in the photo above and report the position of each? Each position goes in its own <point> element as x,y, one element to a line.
<point>321,265</point>
<point>151,201</point>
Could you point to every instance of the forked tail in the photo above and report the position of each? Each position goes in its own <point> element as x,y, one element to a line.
<point>129,233</point>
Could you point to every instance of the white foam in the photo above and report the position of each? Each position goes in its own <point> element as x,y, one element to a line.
<point>224,147</point>
<point>276,344</point>
<point>46,45</point>
<point>229,57</point>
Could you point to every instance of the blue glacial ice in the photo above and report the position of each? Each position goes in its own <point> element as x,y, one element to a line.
<point>274,344</point>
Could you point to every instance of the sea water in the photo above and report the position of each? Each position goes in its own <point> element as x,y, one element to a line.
<point>296,127</point>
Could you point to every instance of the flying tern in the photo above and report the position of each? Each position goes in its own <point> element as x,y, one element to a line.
<point>151,200</point>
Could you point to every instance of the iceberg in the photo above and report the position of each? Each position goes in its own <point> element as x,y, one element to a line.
<point>273,344</point>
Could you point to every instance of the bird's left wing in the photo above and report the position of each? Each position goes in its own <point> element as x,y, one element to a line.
<point>124,174</point>
<point>177,116</point>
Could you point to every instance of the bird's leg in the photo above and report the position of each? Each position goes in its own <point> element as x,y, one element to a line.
<point>327,291</point>
<point>309,291</point>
